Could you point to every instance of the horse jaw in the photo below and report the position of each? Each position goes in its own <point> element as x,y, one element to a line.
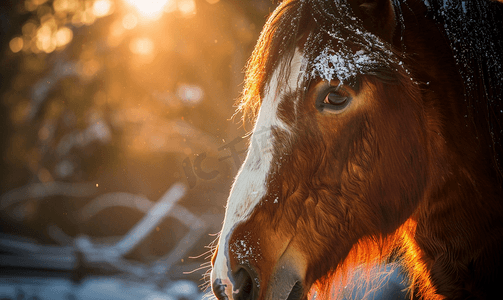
<point>250,185</point>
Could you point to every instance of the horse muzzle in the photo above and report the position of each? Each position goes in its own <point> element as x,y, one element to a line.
<point>285,282</point>
<point>247,288</point>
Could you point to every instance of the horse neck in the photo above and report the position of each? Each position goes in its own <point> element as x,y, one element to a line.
<point>460,222</point>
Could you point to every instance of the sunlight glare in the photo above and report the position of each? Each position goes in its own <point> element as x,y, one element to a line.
<point>44,40</point>
<point>63,36</point>
<point>66,5</point>
<point>116,33</point>
<point>31,5</point>
<point>149,8</point>
<point>16,44</point>
<point>143,46</point>
<point>190,94</point>
<point>187,7</point>
<point>102,8</point>
<point>129,21</point>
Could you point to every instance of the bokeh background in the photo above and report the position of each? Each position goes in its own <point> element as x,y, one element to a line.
<point>118,146</point>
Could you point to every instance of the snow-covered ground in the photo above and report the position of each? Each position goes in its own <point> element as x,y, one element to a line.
<point>95,288</point>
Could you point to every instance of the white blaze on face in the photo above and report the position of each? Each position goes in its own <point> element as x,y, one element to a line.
<point>250,185</point>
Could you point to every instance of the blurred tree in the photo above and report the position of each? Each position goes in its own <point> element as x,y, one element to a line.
<point>119,94</point>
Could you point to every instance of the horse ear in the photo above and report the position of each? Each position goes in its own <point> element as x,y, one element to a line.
<point>378,16</point>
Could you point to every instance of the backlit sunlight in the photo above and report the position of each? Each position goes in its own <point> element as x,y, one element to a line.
<point>108,104</point>
<point>143,46</point>
<point>149,8</point>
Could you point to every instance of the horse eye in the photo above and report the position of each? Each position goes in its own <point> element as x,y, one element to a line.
<point>334,102</point>
<point>335,99</point>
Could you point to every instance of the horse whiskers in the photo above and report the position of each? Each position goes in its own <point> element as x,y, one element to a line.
<point>200,255</point>
<point>197,269</point>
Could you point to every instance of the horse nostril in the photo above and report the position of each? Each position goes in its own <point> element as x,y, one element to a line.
<point>296,292</point>
<point>244,285</point>
<point>219,289</point>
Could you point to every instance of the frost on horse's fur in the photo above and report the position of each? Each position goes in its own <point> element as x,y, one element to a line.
<point>337,61</point>
<point>344,65</point>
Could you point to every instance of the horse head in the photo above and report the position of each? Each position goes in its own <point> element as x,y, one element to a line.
<point>346,147</point>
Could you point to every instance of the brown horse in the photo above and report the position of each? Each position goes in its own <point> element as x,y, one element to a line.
<point>378,136</point>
